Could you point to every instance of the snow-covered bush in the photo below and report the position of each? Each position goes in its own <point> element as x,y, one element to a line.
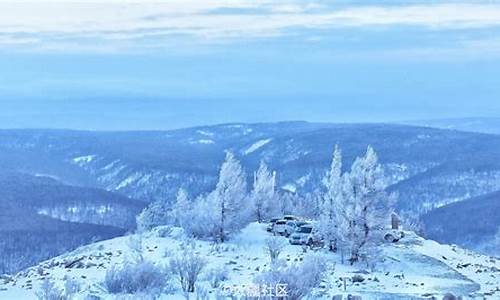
<point>187,267</point>
<point>49,291</point>
<point>314,267</point>
<point>203,218</point>
<point>136,248</point>
<point>216,276</point>
<point>71,287</point>
<point>136,277</point>
<point>297,280</point>
<point>274,246</point>
<point>202,293</point>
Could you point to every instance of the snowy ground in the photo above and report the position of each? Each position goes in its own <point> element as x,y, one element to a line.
<point>414,268</point>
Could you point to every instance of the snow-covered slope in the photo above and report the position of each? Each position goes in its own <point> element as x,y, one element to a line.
<point>410,269</point>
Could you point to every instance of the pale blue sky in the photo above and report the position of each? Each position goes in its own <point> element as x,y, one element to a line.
<point>168,66</point>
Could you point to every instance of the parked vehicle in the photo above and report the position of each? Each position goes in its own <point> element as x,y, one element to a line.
<point>394,235</point>
<point>279,227</point>
<point>293,226</point>
<point>269,227</point>
<point>290,218</point>
<point>305,235</point>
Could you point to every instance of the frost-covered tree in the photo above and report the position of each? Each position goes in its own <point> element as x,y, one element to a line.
<point>332,209</point>
<point>343,216</point>
<point>287,203</point>
<point>222,211</point>
<point>307,205</point>
<point>229,197</point>
<point>368,206</point>
<point>202,218</point>
<point>156,214</point>
<point>263,195</point>
<point>182,209</point>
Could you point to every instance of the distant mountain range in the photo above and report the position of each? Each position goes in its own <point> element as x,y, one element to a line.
<point>40,213</point>
<point>483,125</point>
<point>428,167</point>
<point>471,223</point>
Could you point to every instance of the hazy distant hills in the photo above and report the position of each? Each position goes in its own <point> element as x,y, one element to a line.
<point>429,167</point>
<point>471,223</point>
<point>46,196</point>
<point>153,165</point>
<point>484,125</point>
<point>41,213</point>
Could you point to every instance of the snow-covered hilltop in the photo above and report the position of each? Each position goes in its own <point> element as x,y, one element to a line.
<point>413,268</point>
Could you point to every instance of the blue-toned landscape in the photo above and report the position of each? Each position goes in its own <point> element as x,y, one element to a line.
<point>249,150</point>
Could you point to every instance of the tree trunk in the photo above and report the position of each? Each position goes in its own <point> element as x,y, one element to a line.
<point>354,257</point>
<point>222,221</point>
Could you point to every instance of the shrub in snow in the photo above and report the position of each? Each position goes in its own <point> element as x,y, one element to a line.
<point>299,280</point>
<point>136,248</point>
<point>216,276</point>
<point>203,218</point>
<point>136,277</point>
<point>162,231</point>
<point>71,287</point>
<point>314,267</point>
<point>357,278</point>
<point>274,245</point>
<point>136,296</point>
<point>187,267</point>
<point>49,291</point>
<point>202,293</point>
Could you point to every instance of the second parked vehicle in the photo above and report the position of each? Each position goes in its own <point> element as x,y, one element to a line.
<point>271,224</point>
<point>293,226</point>
<point>305,235</point>
<point>280,227</point>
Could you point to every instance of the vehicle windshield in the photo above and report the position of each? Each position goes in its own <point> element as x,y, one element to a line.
<point>305,230</point>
